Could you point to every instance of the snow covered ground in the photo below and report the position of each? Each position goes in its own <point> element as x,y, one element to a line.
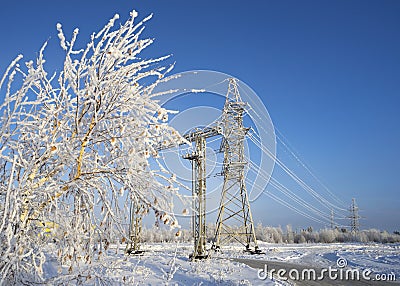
<point>168,263</point>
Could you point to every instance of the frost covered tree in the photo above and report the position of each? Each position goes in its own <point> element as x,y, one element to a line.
<point>289,234</point>
<point>75,147</point>
<point>327,235</point>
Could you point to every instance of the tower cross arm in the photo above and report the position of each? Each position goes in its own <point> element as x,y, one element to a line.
<point>205,132</point>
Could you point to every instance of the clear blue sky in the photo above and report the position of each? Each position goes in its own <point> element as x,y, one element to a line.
<point>328,72</point>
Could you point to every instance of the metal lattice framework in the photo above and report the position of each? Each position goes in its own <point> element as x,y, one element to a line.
<point>234,221</point>
<point>135,228</point>
<point>198,159</point>
<point>354,217</point>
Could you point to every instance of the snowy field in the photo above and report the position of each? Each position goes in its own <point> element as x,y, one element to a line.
<point>168,263</point>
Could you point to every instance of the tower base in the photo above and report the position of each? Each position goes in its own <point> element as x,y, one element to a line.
<point>193,257</point>
<point>134,252</point>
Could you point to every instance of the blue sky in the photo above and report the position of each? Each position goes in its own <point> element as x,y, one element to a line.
<point>328,72</point>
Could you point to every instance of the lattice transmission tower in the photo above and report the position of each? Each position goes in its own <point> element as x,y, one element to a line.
<point>199,174</point>
<point>135,228</point>
<point>234,221</point>
<point>198,160</point>
<point>332,219</point>
<point>354,217</point>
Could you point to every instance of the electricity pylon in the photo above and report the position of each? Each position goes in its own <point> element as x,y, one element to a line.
<point>198,159</point>
<point>354,217</point>
<point>135,228</point>
<point>234,221</point>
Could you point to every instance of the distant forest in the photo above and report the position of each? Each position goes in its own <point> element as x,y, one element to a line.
<point>277,235</point>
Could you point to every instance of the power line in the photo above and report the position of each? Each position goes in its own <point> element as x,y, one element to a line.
<point>299,181</point>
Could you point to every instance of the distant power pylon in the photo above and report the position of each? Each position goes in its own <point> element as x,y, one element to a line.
<point>332,220</point>
<point>354,217</point>
<point>135,228</point>
<point>234,221</point>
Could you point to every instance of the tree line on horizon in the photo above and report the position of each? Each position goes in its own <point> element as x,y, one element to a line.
<point>271,234</point>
